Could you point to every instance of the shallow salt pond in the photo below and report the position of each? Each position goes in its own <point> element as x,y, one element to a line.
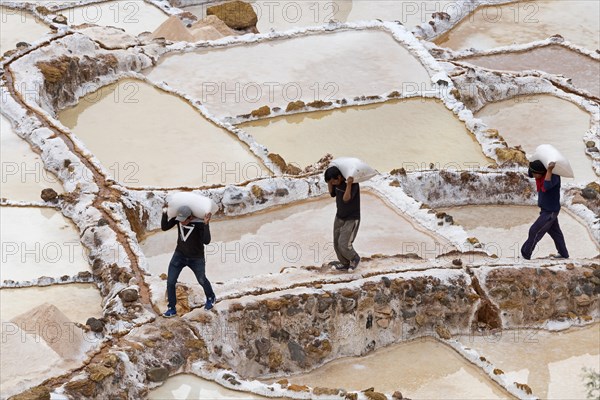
<point>294,235</point>
<point>147,137</point>
<point>503,230</point>
<point>551,363</point>
<point>77,301</point>
<point>134,16</point>
<point>23,173</point>
<point>421,369</point>
<point>236,80</point>
<point>19,26</point>
<point>39,242</point>
<point>415,133</point>
<point>525,22</point>
<point>584,71</point>
<point>191,387</point>
<point>529,121</point>
<point>289,14</point>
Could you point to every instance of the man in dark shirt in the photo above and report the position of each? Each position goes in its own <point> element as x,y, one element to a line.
<point>193,234</point>
<point>548,188</point>
<point>347,218</point>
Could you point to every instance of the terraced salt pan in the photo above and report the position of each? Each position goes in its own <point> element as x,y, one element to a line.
<point>237,80</point>
<point>409,133</point>
<point>191,387</point>
<point>39,242</point>
<point>134,16</point>
<point>77,301</point>
<point>529,121</point>
<point>422,369</point>
<point>19,26</point>
<point>284,15</point>
<point>584,71</point>
<point>550,363</point>
<point>146,137</point>
<point>23,173</point>
<point>291,236</point>
<point>503,230</point>
<point>525,22</point>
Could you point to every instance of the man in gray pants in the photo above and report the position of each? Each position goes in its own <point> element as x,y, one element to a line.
<point>347,218</point>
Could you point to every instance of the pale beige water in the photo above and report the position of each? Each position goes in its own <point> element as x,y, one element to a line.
<point>422,369</point>
<point>284,15</point>
<point>134,16</point>
<point>411,133</point>
<point>191,387</point>
<point>77,301</point>
<point>504,229</point>
<point>19,26</point>
<point>292,236</point>
<point>324,67</point>
<point>529,121</point>
<point>23,173</point>
<point>550,363</point>
<point>582,70</point>
<point>39,242</point>
<point>147,137</point>
<point>525,22</point>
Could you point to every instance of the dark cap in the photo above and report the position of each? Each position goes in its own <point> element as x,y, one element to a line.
<point>536,167</point>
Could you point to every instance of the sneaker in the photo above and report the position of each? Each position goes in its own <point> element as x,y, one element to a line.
<point>558,257</point>
<point>171,312</point>
<point>354,262</point>
<point>342,267</point>
<point>209,303</point>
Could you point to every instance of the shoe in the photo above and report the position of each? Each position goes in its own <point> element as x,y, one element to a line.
<point>171,312</point>
<point>558,257</point>
<point>342,267</point>
<point>209,303</point>
<point>354,262</point>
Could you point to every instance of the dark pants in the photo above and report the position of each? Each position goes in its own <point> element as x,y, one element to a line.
<point>344,233</point>
<point>177,264</point>
<point>547,222</point>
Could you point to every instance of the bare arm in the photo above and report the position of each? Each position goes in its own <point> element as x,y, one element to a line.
<point>549,171</point>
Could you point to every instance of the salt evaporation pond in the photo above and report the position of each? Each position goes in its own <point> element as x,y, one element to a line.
<point>422,369</point>
<point>134,16</point>
<point>19,26</point>
<point>191,387</point>
<point>146,137</point>
<point>584,71</point>
<point>289,14</point>
<point>39,242</point>
<point>416,132</point>
<point>23,173</point>
<point>551,363</point>
<point>265,242</point>
<point>503,230</point>
<point>525,22</point>
<point>77,301</point>
<point>529,121</point>
<point>236,80</point>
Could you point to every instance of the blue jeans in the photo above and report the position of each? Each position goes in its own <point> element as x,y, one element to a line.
<point>547,222</point>
<point>177,264</point>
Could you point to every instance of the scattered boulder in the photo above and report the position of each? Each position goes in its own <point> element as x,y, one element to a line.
<point>589,193</point>
<point>22,45</point>
<point>236,15</point>
<point>295,106</point>
<point>157,374</point>
<point>261,112</point>
<point>49,195</point>
<point>129,295</point>
<point>95,324</point>
<point>60,19</point>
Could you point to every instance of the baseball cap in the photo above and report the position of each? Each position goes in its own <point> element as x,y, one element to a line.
<point>183,213</point>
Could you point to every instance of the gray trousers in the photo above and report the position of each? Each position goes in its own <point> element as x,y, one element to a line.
<point>344,233</point>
